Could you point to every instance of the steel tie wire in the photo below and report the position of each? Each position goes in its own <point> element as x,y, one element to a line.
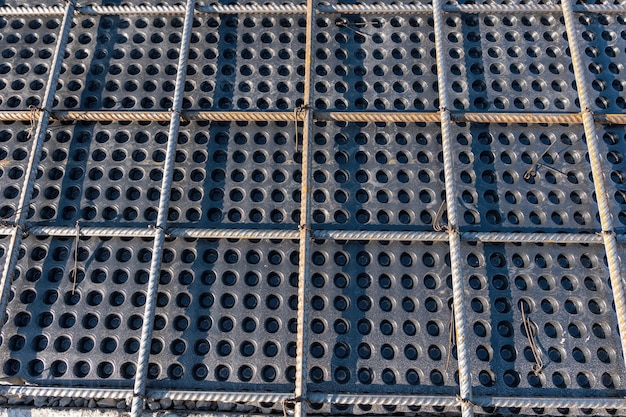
<point>143,355</point>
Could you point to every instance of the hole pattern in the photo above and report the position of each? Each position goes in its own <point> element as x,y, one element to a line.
<point>246,62</point>
<point>27,46</point>
<point>91,334</point>
<point>493,164</point>
<point>228,314</point>
<point>612,148</point>
<point>237,173</point>
<point>100,173</point>
<point>509,63</point>
<point>117,62</point>
<point>14,152</point>
<point>376,176</point>
<point>374,62</point>
<point>602,39</point>
<point>567,298</point>
<point>364,305</point>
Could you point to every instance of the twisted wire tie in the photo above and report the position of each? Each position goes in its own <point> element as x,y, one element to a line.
<point>530,334</point>
<point>451,336</point>
<point>452,230</point>
<point>34,115</point>
<point>437,226</point>
<point>74,282</point>
<point>14,225</point>
<point>181,116</point>
<point>465,401</point>
<point>156,227</point>
<point>292,401</point>
<point>296,115</point>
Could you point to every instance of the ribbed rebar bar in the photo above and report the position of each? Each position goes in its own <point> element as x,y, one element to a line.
<point>224,396</point>
<point>248,116</point>
<point>272,8</point>
<point>288,116</point>
<point>142,9</point>
<point>532,237</point>
<point>143,355</point>
<point>598,173</point>
<point>395,9</point>
<point>380,235</point>
<point>458,292</point>
<point>38,138</point>
<point>382,399</point>
<point>526,118</point>
<point>594,403</point>
<point>292,234</point>
<point>304,243</point>
<point>548,402</point>
<point>386,117</point>
<point>492,8</point>
<point>64,392</point>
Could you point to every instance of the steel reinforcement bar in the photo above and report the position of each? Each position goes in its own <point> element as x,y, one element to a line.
<point>282,9</point>
<point>143,356</point>
<point>598,173</point>
<point>292,234</point>
<point>595,403</point>
<point>289,116</point>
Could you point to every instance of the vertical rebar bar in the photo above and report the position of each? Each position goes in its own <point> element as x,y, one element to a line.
<point>305,221</point>
<point>143,355</point>
<point>43,119</point>
<point>598,174</point>
<point>458,292</point>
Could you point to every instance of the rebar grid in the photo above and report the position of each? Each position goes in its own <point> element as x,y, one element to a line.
<point>304,234</point>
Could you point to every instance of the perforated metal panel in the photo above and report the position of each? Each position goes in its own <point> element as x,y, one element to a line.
<point>293,208</point>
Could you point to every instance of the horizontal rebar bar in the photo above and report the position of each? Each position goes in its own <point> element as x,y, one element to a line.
<point>427,236</point>
<point>533,237</point>
<point>556,402</point>
<point>246,396</point>
<point>383,399</point>
<point>293,234</point>
<point>65,392</point>
<point>388,117</point>
<point>272,8</point>
<point>396,9</point>
<point>526,118</point>
<point>290,116</point>
<point>390,399</point>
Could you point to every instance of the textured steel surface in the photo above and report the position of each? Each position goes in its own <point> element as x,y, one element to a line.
<point>313,208</point>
